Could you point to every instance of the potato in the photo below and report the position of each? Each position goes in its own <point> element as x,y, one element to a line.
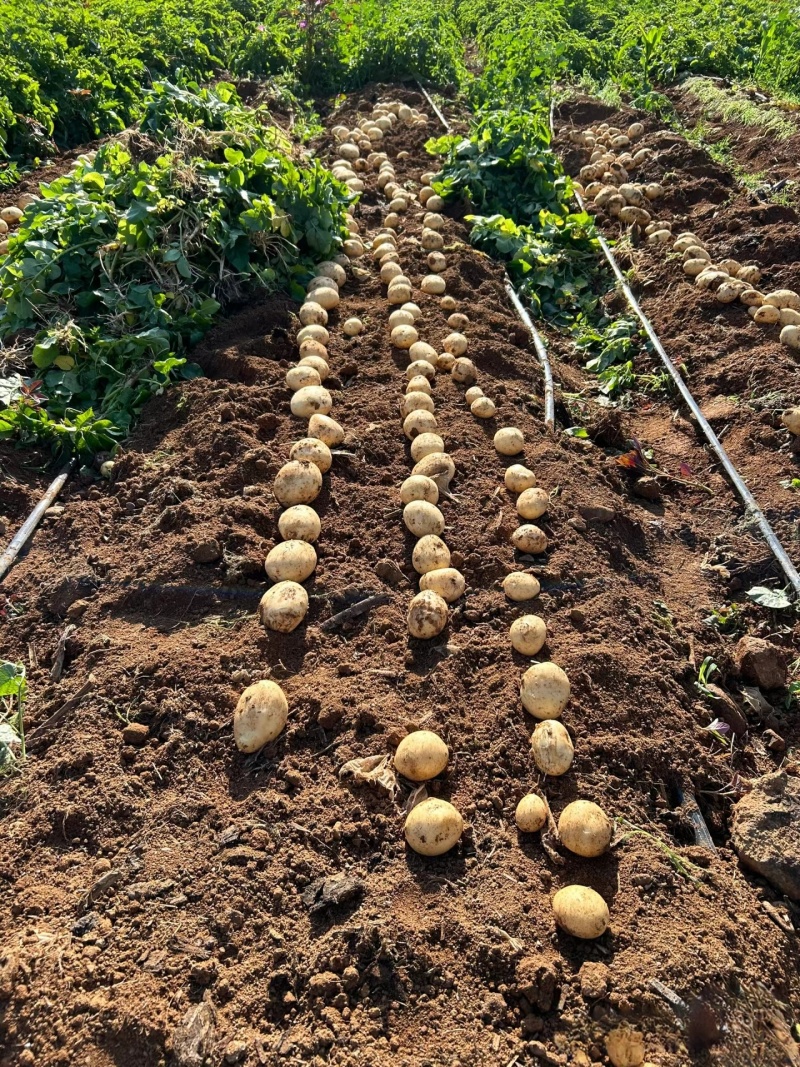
<point>440,467</point>
<point>432,242</point>
<point>313,333</point>
<point>427,615</point>
<point>585,829</point>
<point>457,321</point>
<point>783,298</point>
<point>283,607</point>
<point>483,408</point>
<point>455,344</point>
<point>390,270</point>
<point>297,482</point>
<point>420,366</point>
<point>532,503</point>
<point>551,747</point>
<point>635,130</point>
<point>383,247</point>
<point>299,523</point>
<point>418,487</point>
<point>353,248</point>
<point>730,266</point>
<point>767,315</point>
<point>529,539</point>
<point>418,384</point>
<point>531,814</point>
<point>423,518</point>
<point>581,911</point>
<point>751,298</point>
<point>399,205</point>
<point>400,318</point>
<point>544,690</point>
<point>404,336</point>
<point>422,350</point>
<point>437,262</point>
<point>473,393</point>
<point>518,479</point>
<point>413,309</point>
<point>421,755</point>
<point>426,444</point>
<point>445,361</point>
<point>791,420</point>
<point>319,365</point>
<point>728,292</point>
<point>435,203</point>
<point>711,278</point>
<point>625,1048</point>
<point>322,281</point>
<point>433,827</point>
<point>415,402</point>
<point>299,377</point>
<point>749,274</point>
<point>398,294</point>
<point>634,216</point>
<point>291,561</point>
<point>520,585</point>
<point>309,347</point>
<point>433,284</point>
<point>509,441</point>
<point>446,581</point>
<point>11,215</point>
<point>430,554</point>
<point>464,371</point>
<point>260,715</point>
<point>311,400</point>
<point>790,335</point>
<point>528,634</point>
<point>326,429</point>
<point>790,317</point>
<point>400,281</point>
<point>313,314</point>
<point>659,237</point>
<point>432,220</point>
<point>419,422</point>
<point>448,303</point>
<point>313,450</point>
<point>653,190</point>
<point>693,267</point>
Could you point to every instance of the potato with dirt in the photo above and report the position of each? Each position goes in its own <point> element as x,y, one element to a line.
<point>433,827</point>
<point>421,755</point>
<point>283,607</point>
<point>260,715</point>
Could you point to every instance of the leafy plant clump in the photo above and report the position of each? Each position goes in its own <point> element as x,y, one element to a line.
<point>126,261</point>
<point>13,692</point>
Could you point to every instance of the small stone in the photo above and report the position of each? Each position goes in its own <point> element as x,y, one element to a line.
<point>761,662</point>
<point>206,551</point>
<point>388,571</point>
<point>55,512</point>
<point>195,1037</point>
<point>235,1051</point>
<point>577,523</point>
<point>594,978</point>
<point>135,733</point>
<point>76,610</point>
<point>577,617</point>
<point>765,831</point>
<point>625,1047</point>
<point>647,488</point>
<point>596,513</point>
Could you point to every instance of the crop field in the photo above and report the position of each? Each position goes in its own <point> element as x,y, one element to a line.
<point>399,533</point>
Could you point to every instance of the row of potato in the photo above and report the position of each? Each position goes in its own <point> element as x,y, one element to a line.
<point>605,181</point>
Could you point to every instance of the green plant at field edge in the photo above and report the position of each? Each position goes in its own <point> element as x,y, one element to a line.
<point>13,693</point>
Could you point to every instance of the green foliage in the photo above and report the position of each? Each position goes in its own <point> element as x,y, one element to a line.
<point>13,693</point>
<point>127,260</point>
<point>612,347</point>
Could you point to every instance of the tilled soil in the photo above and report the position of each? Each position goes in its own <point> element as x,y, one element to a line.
<point>162,888</point>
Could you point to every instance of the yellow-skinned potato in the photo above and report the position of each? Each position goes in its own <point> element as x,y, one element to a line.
<point>311,400</point>
<point>313,314</point>
<point>433,284</point>
<point>464,371</point>
<point>301,376</point>
<point>353,249</point>
<point>297,482</point>
<point>457,321</point>
<point>544,690</point>
<point>423,518</point>
<point>520,586</point>
<point>446,581</point>
<point>791,420</point>
<point>749,274</point>
<point>291,561</point>
<point>283,607</point>
<point>299,523</point>
<point>422,350</point>
<point>310,347</point>
<point>448,303</point>
<point>401,317</point>
<point>531,814</point>
<point>585,829</point>
<point>399,294</point>
<point>319,365</point>
<point>426,444</point>
<point>404,336</point>
<point>783,298</point>
<point>434,203</point>
<point>473,393</point>
<point>528,634</point>
<point>420,366</point>
<point>455,344</point>
<point>326,429</point>
<point>418,384</point>
<point>413,308</point>
<point>509,441</point>
<point>430,554</point>
<point>790,335</point>
<point>433,221</point>
<point>415,402</point>
<point>313,450</point>
<point>767,315</point>
<point>693,267</point>
<point>445,361</point>
<point>433,827</point>
<point>313,333</point>
<point>427,615</point>
<point>518,478</point>
<point>418,422</point>
<point>483,408</point>
<point>390,270</point>
<point>581,912</point>
<point>552,748</point>
<point>432,241</point>
<point>436,261</point>
<point>529,539</point>
<point>421,755</point>
<point>418,487</point>
<point>260,716</point>
<point>320,282</point>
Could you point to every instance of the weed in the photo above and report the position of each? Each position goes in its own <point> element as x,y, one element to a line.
<point>681,866</point>
<point>13,693</point>
<point>739,108</point>
<point>727,619</point>
<point>708,669</point>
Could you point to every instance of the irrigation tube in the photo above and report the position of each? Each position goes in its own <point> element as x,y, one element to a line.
<point>751,507</point>
<point>538,343</point>
<point>19,540</point>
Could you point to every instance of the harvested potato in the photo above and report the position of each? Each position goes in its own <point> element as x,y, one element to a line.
<point>751,298</point>
<point>404,336</point>
<point>291,561</point>
<point>430,554</point>
<point>464,371</point>
<point>415,402</point>
<point>422,350</point>
<point>412,309</point>
<point>533,503</point>
<point>585,829</point>
<point>432,241</point>
<point>11,215</point>
<point>299,523</point>
<point>260,715</point>
<point>659,237</point>
<point>313,333</point>
<point>728,292</point>
<point>634,216</point>
<point>283,607</point>
<point>321,282</point>
<point>426,444</point>
<point>448,303</point>
<point>313,314</point>
<point>518,479</point>
<point>389,270</point>
<point>455,344</point>
<point>421,755</point>
<point>457,321</point>
<point>749,274</point>
<point>529,539</point>
<point>790,317</point>
<point>326,429</point>
<point>433,284</point>
<point>693,267</point>
<point>473,393</point>
<point>398,294</point>
<point>437,262</point>
<point>790,335</point>
<point>301,376</point>
<point>519,585</point>
<point>551,747</point>
<point>439,467</point>
<point>319,365</point>
<point>427,615</point>
<point>433,221</point>
<point>418,422</point>
<point>730,266</point>
<point>352,327</point>
<point>310,347</point>
<point>783,298</point>
<point>767,315</point>
<point>297,482</point>
<point>353,249</point>
<point>531,814</point>
<point>400,318</point>
<point>313,450</point>
<point>423,518</point>
<point>433,827</point>
<point>446,581</point>
<point>544,690</point>
<point>418,487</point>
<point>509,441</point>
<point>581,911</point>
<point>483,408</point>
<point>635,130</point>
<point>420,366</point>
<point>311,400</point>
<point>418,384</point>
<point>528,634</point>
<point>445,361</point>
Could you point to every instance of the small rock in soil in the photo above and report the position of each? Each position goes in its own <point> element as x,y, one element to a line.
<point>594,978</point>
<point>204,972</point>
<point>766,831</point>
<point>388,571</point>
<point>207,551</point>
<point>536,981</point>
<point>135,733</point>
<point>761,662</point>
<point>596,512</point>
<point>67,591</point>
<point>625,1047</point>
<point>647,488</point>
<point>328,892</point>
<point>773,741</point>
<point>235,1051</point>
<point>194,1039</point>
